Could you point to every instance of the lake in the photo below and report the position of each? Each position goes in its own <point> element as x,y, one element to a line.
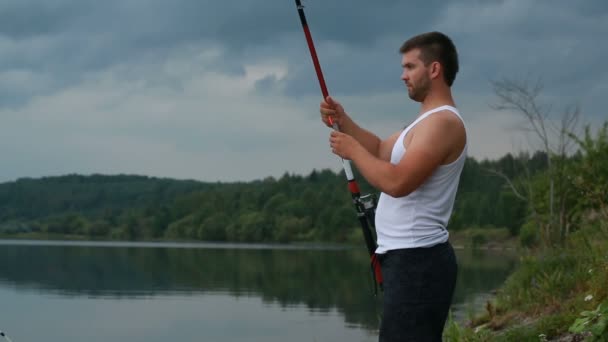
<point>113,291</point>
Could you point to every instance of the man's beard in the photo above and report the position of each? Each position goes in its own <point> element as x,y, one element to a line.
<point>420,92</point>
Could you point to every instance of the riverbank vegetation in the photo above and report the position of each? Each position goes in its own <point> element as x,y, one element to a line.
<point>316,207</point>
<point>555,294</point>
<point>559,292</point>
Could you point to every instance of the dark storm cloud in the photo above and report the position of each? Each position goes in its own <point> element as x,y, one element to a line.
<point>79,36</point>
<point>153,73</point>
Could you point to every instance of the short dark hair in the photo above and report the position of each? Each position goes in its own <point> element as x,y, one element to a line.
<point>435,46</point>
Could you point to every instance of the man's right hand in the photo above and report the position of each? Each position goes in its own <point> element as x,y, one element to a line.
<point>331,108</point>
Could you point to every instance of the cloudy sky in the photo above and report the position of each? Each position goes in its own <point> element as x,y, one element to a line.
<point>225,90</point>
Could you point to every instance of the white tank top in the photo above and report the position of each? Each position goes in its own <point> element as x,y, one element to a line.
<point>419,219</point>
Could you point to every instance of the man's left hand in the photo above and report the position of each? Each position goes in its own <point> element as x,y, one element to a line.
<point>343,145</point>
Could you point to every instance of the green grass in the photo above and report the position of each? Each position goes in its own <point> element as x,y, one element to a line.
<point>547,293</point>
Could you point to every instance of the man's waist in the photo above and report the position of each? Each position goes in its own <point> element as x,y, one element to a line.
<point>410,240</point>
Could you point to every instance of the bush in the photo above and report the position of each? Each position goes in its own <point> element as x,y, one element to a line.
<point>478,239</point>
<point>528,235</point>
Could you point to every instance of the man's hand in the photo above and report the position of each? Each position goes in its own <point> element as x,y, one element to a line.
<point>344,145</point>
<point>331,108</point>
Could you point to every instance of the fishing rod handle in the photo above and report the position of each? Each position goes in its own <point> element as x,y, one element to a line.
<point>348,170</point>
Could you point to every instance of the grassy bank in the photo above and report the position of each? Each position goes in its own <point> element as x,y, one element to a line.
<point>558,294</point>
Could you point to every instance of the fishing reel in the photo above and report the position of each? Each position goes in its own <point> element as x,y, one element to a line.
<point>366,206</point>
<point>369,203</point>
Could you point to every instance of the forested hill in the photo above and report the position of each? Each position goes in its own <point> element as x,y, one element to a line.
<point>311,207</point>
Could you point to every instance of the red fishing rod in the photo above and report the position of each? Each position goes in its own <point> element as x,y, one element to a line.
<point>365,205</point>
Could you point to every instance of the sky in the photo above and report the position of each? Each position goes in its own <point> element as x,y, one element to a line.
<point>226,91</point>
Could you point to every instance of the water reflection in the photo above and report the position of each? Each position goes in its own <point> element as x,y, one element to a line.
<point>322,280</point>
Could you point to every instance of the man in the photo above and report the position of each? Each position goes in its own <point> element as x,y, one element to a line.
<point>417,170</point>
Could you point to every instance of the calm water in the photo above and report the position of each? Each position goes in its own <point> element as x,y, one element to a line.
<point>203,292</point>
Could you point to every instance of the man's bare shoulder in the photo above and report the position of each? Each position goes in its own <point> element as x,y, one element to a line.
<point>444,132</point>
<point>442,122</point>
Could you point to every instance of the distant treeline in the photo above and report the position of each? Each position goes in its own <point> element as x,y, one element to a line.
<point>313,207</point>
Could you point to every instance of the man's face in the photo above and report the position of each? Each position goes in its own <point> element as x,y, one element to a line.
<point>415,75</point>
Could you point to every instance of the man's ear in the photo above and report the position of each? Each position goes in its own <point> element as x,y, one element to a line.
<point>435,69</point>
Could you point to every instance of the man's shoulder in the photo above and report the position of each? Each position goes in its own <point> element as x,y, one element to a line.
<point>444,119</point>
<point>449,114</point>
<point>443,130</point>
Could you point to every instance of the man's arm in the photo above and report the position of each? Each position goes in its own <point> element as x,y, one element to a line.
<point>372,143</point>
<point>333,112</point>
<point>434,141</point>
<point>386,147</point>
<point>380,149</point>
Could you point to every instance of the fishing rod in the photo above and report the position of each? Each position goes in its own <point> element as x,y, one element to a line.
<point>366,204</point>
<point>5,337</point>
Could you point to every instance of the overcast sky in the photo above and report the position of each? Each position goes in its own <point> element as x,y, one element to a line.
<point>225,90</point>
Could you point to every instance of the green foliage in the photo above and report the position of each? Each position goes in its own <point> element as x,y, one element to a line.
<point>478,239</point>
<point>528,235</point>
<point>213,228</point>
<point>250,226</point>
<point>567,196</point>
<point>290,228</point>
<point>316,207</point>
<point>452,331</point>
<point>551,287</point>
<point>98,228</point>
<point>183,228</point>
<point>13,227</point>
<point>590,172</point>
<point>541,280</point>
<point>594,321</point>
<point>483,199</point>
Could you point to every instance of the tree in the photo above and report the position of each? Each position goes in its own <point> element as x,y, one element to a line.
<point>555,141</point>
<point>288,228</point>
<point>213,228</point>
<point>591,172</point>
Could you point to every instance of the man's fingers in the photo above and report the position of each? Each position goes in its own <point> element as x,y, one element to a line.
<point>328,116</point>
<point>329,102</point>
<point>326,104</point>
<point>327,111</point>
